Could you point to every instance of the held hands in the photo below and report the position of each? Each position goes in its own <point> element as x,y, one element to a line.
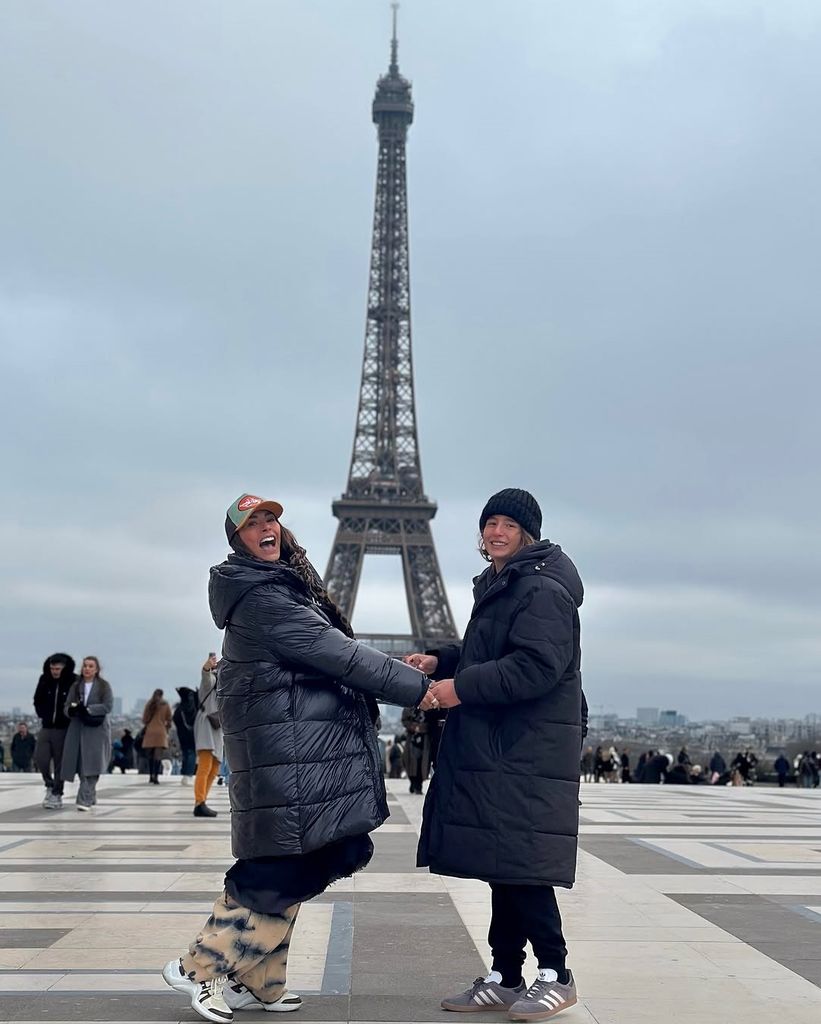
<point>440,695</point>
<point>444,693</point>
<point>428,703</point>
<point>424,662</point>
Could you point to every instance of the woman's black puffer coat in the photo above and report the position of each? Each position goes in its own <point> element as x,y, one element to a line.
<point>304,758</point>
<point>503,803</point>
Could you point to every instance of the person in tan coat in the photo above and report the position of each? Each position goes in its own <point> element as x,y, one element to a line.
<point>157,722</point>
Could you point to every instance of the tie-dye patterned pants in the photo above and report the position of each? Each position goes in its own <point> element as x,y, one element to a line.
<point>252,948</point>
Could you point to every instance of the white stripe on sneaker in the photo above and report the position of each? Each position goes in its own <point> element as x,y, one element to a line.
<point>480,998</point>
<point>494,996</point>
<point>556,995</point>
<point>548,1002</point>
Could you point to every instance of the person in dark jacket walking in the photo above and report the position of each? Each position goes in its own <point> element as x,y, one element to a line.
<point>782,769</point>
<point>184,715</point>
<point>297,701</point>
<point>655,769</point>
<point>22,749</point>
<point>718,767</point>
<point>49,704</point>
<point>503,804</point>
<point>416,755</point>
<point>625,766</point>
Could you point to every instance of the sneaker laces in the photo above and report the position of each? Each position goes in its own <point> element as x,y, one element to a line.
<point>215,986</point>
<point>538,988</point>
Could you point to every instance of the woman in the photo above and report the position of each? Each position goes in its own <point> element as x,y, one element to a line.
<point>296,699</point>
<point>207,738</point>
<point>503,802</point>
<point>157,722</point>
<point>87,749</point>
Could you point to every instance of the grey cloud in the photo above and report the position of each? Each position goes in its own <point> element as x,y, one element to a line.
<point>614,224</point>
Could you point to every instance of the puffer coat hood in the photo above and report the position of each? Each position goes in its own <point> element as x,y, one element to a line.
<point>50,694</point>
<point>305,763</point>
<point>184,715</point>
<point>503,803</point>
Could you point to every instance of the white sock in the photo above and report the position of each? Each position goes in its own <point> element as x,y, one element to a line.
<point>547,974</point>
<point>496,976</point>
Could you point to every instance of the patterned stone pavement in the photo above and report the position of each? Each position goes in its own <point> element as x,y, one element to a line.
<point>693,905</point>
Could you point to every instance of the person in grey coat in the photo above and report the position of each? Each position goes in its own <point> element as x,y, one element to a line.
<point>87,750</point>
<point>207,738</point>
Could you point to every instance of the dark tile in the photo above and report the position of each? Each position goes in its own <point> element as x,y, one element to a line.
<point>141,848</point>
<point>775,929</point>
<point>409,1008</point>
<point>405,983</point>
<point>30,938</point>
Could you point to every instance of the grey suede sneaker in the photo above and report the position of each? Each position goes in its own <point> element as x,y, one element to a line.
<point>483,996</point>
<point>544,999</point>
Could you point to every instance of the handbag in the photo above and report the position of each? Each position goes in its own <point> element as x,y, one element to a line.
<point>87,718</point>
<point>212,716</point>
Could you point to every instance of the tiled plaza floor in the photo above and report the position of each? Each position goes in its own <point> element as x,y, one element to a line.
<point>693,905</point>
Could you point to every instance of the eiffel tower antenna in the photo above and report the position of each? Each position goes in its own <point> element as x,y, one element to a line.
<point>384,509</point>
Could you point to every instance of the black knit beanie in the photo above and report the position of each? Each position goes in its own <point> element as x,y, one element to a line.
<point>515,504</point>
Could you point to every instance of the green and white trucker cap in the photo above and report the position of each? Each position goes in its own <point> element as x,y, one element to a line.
<point>237,515</point>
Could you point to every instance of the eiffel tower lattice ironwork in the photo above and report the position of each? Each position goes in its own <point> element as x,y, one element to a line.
<point>384,509</point>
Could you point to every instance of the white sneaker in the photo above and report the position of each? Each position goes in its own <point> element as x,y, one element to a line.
<point>238,997</point>
<point>206,996</point>
<point>186,780</point>
<point>83,807</point>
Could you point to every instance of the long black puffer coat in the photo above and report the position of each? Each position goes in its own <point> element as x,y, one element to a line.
<point>503,803</point>
<point>305,763</point>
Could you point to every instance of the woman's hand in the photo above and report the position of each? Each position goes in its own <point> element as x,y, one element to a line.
<point>424,662</point>
<point>444,693</point>
<point>427,703</point>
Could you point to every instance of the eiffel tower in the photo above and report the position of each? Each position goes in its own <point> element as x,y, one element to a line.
<point>384,509</point>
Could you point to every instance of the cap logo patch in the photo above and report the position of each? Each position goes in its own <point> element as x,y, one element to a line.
<point>249,501</point>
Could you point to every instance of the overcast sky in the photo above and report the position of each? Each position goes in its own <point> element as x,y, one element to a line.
<point>615,264</point>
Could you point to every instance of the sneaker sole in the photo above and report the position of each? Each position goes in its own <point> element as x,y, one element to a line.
<point>542,1014</point>
<point>283,1008</point>
<point>191,989</point>
<point>214,1015</point>
<point>256,1004</point>
<point>473,1007</point>
<point>185,985</point>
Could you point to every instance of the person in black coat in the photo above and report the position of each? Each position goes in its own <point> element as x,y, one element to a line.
<point>22,749</point>
<point>718,767</point>
<point>655,769</point>
<point>782,769</point>
<point>625,766</point>
<point>297,705</point>
<point>50,697</point>
<point>185,714</point>
<point>503,803</point>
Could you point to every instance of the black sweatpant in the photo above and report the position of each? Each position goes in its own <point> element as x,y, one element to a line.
<point>522,914</point>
